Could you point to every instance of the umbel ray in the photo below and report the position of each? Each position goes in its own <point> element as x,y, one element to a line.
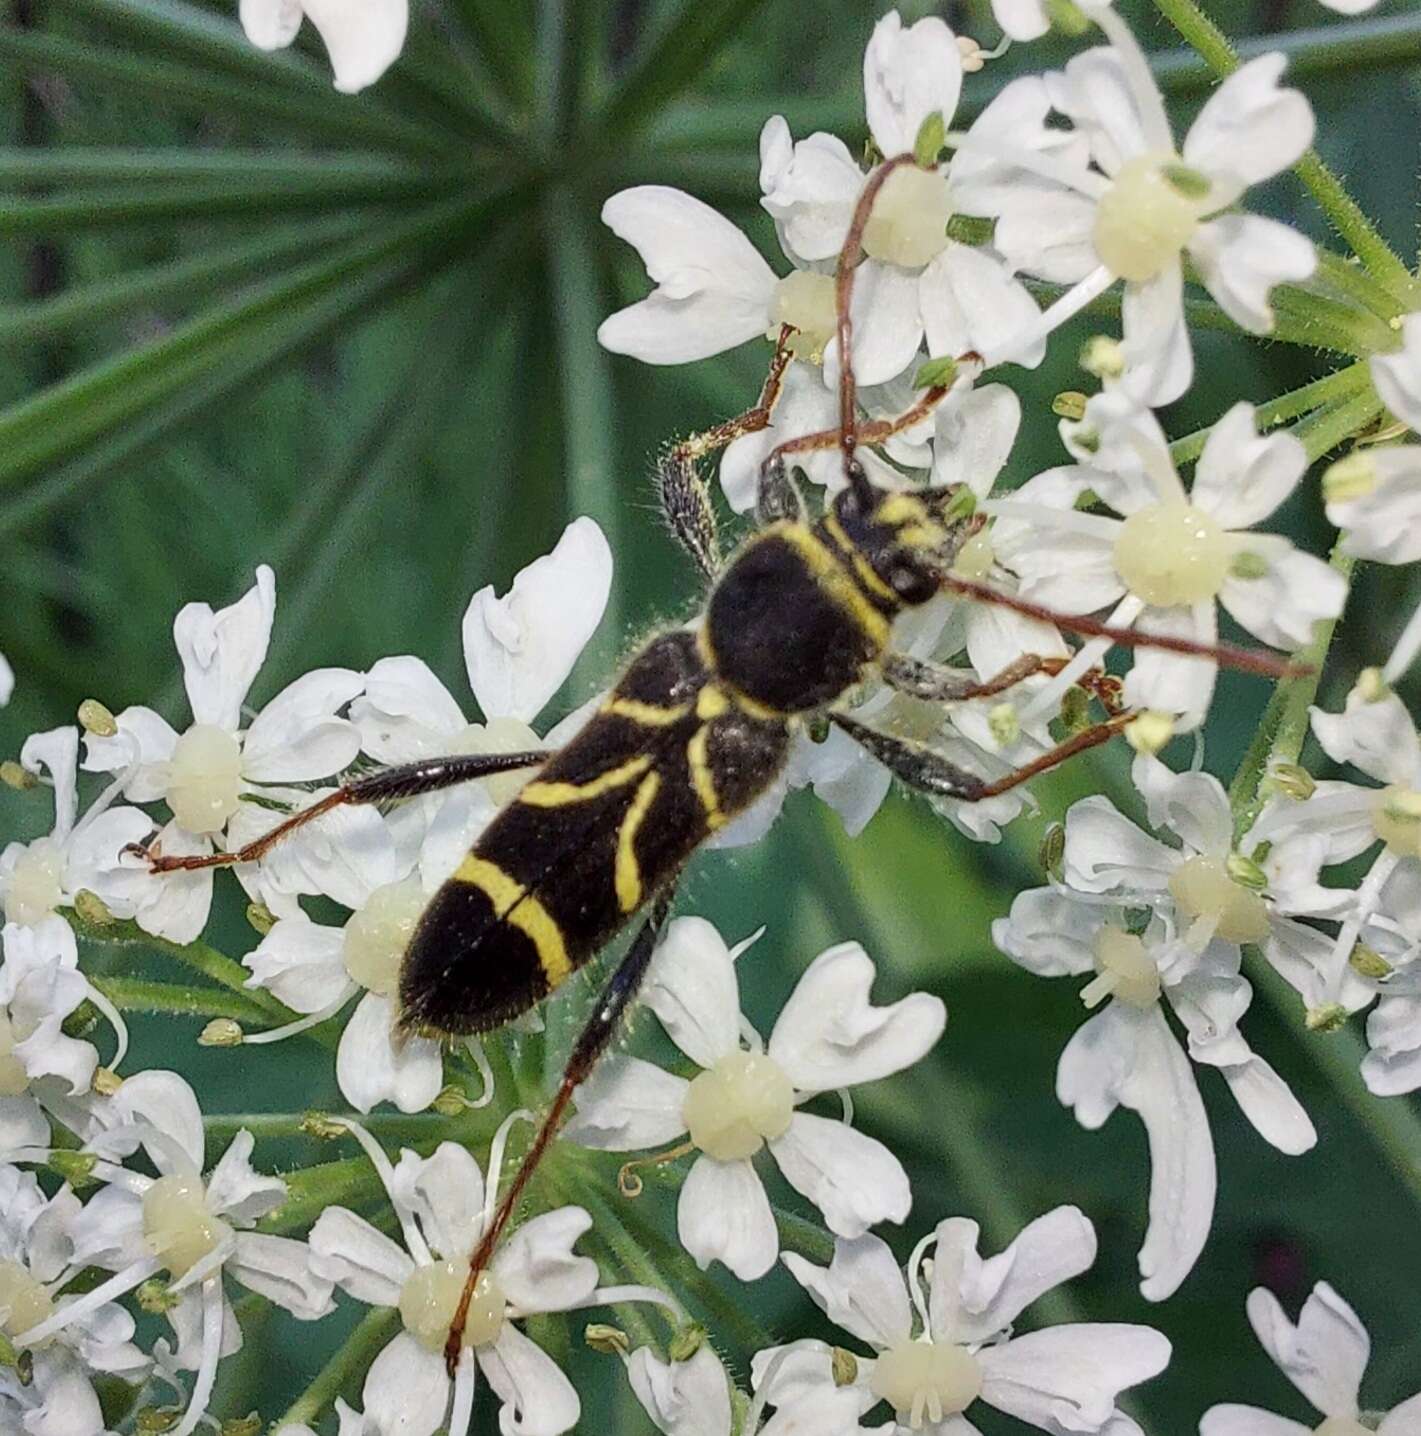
<point>696,728</point>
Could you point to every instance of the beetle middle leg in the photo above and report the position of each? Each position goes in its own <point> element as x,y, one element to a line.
<point>681,487</point>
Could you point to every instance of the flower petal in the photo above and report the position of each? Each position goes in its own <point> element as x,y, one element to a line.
<point>1194,805</point>
<point>1021,19</point>
<point>270,24</point>
<point>713,287</point>
<point>1106,852</point>
<point>724,1215</point>
<point>974,1300</point>
<point>1398,376</point>
<point>363,37</point>
<point>1324,1355</point>
<point>970,300</point>
<point>830,1035</point>
<point>445,1191</point>
<point>1240,257</point>
<point>1249,128</point>
<point>909,74</point>
<point>887,323</point>
<point>236,1190</point>
<point>1231,1419</point>
<point>1068,1377</point>
<point>301,962</point>
<point>809,188</point>
<point>1384,524</point>
<point>854,1180</point>
<point>538,1400</point>
<point>861,1290</point>
<point>520,648</point>
<point>298,736</point>
<point>627,1105</point>
<point>346,1250</point>
<point>682,1398</point>
<point>1269,1104</point>
<point>1171,682</point>
<point>278,1269</point>
<point>406,1391</point>
<point>691,987</point>
<point>1376,736</point>
<point>162,1103</point>
<point>1050,934</point>
<point>537,1267</point>
<point>406,712</point>
<point>222,651</point>
<point>1158,357</point>
<point>376,1064</point>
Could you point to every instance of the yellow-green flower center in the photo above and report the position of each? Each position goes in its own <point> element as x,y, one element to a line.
<point>732,1109</point>
<point>205,778</point>
<point>24,1302</point>
<point>377,935</point>
<point>975,558</point>
<point>1126,970</point>
<point>1172,553</point>
<point>1203,889</point>
<point>430,1297</point>
<point>925,1382</point>
<point>178,1225</point>
<point>908,224</point>
<point>36,884</point>
<point>805,300</point>
<point>1397,820</point>
<point>1145,218</point>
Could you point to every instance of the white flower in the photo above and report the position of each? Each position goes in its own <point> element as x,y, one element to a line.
<point>36,1260</point>
<point>187,1224</point>
<point>1342,820</point>
<point>443,1209</point>
<point>41,1067</point>
<point>682,1398</point>
<point>316,968</point>
<point>1112,198</point>
<point>827,1037</point>
<point>1126,1055</point>
<point>1393,933</point>
<point>210,775</point>
<point>1022,19</point>
<point>518,651</point>
<point>1173,553</point>
<point>7,680</point>
<point>1324,1356</point>
<point>715,291</point>
<point>37,877</point>
<point>1062,1378</point>
<point>362,37</point>
<point>1375,496</point>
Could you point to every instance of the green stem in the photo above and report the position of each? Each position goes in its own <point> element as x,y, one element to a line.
<point>797,1234</point>
<point>138,994</point>
<point>374,1330</point>
<point>1346,216</point>
<point>387,1126</point>
<point>1284,725</point>
<point>1342,383</point>
<point>1351,279</point>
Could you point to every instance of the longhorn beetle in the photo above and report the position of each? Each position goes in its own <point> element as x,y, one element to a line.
<point>695,729</point>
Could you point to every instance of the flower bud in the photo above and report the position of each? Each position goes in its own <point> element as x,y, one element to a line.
<point>260,917</point>
<point>451,1101</point>
<point>609,1340</point>
<point>92,909</point>
<point>687,1341</point>
<point>1103,357</point>
<point>1245,872</point>
<point>156,1297</point>
<point>1366,962</point>
<point>1052,852</point>
<point>317,1124</point>
<point>1069,404</point>
<point>1351,478</point>
<point>936,373</point>
<point>76,1168</point>
<point>927,147</point>
<point>96,720</point>
<point>1004,725</point>
<point>843,1366</point>
<point>1371,686</point>
<point>14,775</point>
<point>1149,732</point>
<point>221,1032</point>
<point>1330,1017</point>
<point>1293,780</point>
<point>154,1420</point>
<point>106,1081</point>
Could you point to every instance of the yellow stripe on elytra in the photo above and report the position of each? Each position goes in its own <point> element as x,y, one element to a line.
<point>515,905</point>
<point>863,569</point>
<point>555,794</point>
<point>628,870</point>
<point>702,779</point>
<point>832,577</point>
<point>650,714</point>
